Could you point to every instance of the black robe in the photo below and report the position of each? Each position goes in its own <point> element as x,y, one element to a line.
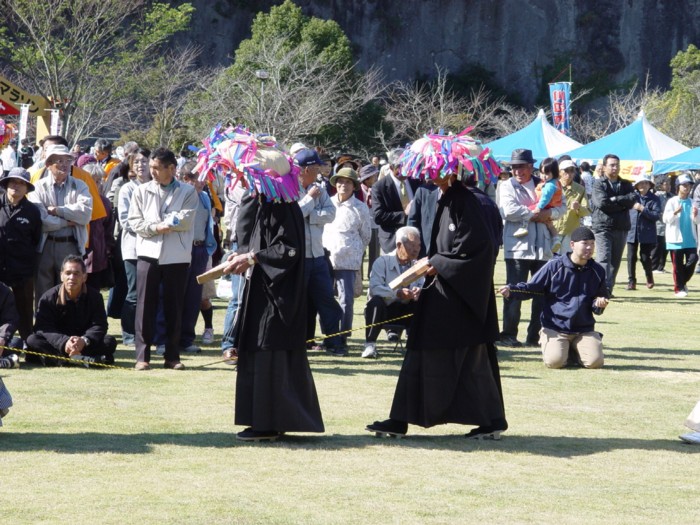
<point>274,387</point>
<point>447,375</point>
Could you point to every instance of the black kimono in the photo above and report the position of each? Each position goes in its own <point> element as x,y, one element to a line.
<point>448,375</point>
<point>275,390</point>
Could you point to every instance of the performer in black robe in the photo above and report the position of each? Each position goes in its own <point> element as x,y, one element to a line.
<point>275,391</point>
<point>447,375</point>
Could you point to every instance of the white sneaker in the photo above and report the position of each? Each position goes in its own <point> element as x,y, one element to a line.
<point>370,351</point>
<point>693,438</point>
<point>681,294</point>
<point>520,232</point>
<point>11,361</point>
<point>86,360</point>
<point>208,336</point>
<point>160,349</point>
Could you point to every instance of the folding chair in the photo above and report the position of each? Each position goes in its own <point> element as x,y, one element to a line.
<point>398,329</point>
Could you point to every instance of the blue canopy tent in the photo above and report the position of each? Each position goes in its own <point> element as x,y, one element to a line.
<point>638,145</point>
<point>690,160</point>
<point>539,136</point>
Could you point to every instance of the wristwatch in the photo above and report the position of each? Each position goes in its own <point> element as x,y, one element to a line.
<point>251,258</point>
<point>87,341</point>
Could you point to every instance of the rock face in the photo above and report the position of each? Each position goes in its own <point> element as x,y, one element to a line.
<point>615,40</point>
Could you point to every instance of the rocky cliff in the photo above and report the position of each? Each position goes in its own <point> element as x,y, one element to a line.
<point>522,42</point>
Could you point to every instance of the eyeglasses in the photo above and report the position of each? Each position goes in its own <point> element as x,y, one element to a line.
<point>63,161</point>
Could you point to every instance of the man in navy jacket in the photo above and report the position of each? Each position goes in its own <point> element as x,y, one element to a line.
<point>574,288</point>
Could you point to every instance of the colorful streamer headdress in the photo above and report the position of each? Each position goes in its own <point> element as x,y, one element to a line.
<point>237,153</point>
<point>437,156</point>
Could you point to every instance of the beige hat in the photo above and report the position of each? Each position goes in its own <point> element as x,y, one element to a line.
<point>57,150</point>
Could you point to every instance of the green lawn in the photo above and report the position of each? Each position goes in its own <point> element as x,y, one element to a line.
<point>118,446</point>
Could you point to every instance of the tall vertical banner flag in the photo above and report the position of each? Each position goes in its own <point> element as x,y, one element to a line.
<point>560,95</point>
<point>23,121</point>
<point>55,122</point>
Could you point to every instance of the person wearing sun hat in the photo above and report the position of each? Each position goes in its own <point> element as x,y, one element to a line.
<point>346,239</point>
<point>20,235</point>
<point>66,209</point>
<point>573,289</point>
<point>681,218</point>
<point>524,256</point>
<point>576,203</point>
<point>38,171</point>
<point>642,234</point>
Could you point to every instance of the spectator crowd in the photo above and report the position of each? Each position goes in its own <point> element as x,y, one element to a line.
<point>143,224</point>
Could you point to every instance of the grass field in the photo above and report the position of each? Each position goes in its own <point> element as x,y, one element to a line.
<point>584,446</point>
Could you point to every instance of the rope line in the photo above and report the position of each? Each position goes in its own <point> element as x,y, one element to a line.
<point>67,359</point>
<point>388,321</point>
<point>312,340</point>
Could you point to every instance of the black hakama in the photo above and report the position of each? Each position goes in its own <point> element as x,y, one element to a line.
<point>275,390</point>
<point>448,375</point>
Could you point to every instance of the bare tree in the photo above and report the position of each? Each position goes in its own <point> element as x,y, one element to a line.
<point>510,119</point>
<point>70,51</point>
<point>171,84</point>
<point>413,109</point>
<point>620,109</point>
<point>299,95</point>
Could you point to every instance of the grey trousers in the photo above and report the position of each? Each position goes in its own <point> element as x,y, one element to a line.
<point>49,270</point>
<point>609,246</point>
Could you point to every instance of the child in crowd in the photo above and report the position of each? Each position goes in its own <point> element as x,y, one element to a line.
<point>680,217</point>
<point>549,195</point>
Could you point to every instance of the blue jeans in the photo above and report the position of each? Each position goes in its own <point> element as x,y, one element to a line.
<point>129,307</point>
<point>344,287</point>
<point>228,339</point>
<point>517,271</point>
<point>319,284</point>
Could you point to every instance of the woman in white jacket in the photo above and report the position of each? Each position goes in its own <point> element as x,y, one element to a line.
<point>680,217</point>
<point>346,239</point>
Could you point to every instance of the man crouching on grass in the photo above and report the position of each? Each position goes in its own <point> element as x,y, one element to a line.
<point>574,289</point>
<point>71,320</point>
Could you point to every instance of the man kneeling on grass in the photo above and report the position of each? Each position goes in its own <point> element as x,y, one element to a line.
<point>574,289</point>
<point>71,321</point>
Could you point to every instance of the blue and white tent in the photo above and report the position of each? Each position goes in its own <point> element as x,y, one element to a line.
<point>640,142</point>
<point>689,160</point>
<point>539,136</point>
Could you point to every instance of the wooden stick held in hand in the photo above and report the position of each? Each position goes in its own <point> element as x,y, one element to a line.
<point>212,274</point>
